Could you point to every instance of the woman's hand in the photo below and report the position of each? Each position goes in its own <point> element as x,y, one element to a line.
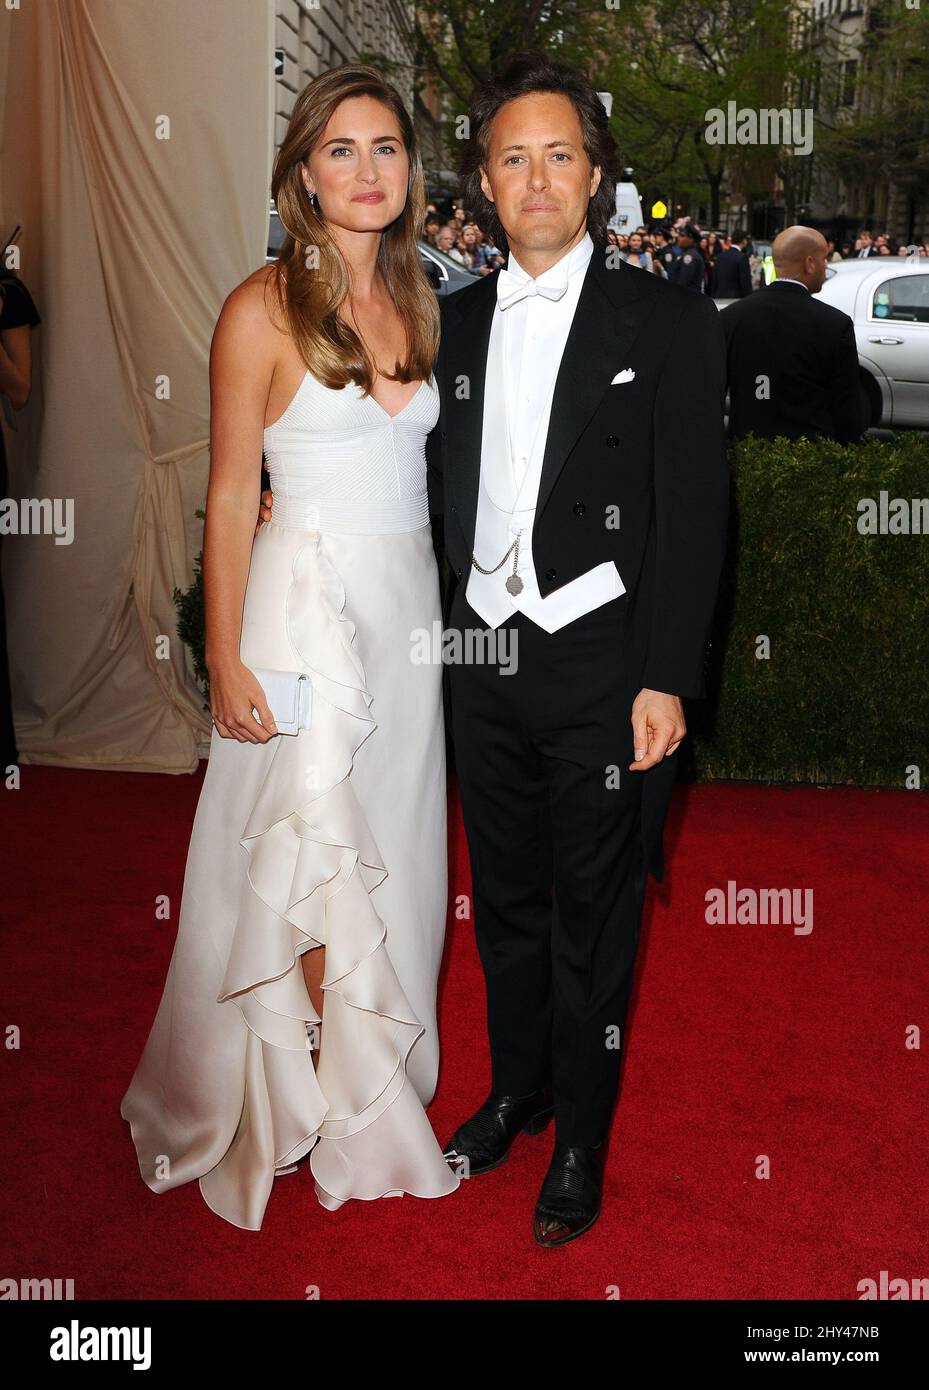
<point>234,690</point>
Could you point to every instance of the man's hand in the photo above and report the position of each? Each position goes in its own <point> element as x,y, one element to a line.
<point>264,508</point>
<point>657,728</point>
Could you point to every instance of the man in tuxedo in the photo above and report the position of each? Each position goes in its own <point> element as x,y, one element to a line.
<point>579,463</point>
<point>792,360</point>
<point>732,277</point>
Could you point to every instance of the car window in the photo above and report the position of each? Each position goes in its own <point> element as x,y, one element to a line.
<point>438,258</point>
<point>904,299</point>
<point>434,268</point>
<point>445,261</point>
<point>276,233</point>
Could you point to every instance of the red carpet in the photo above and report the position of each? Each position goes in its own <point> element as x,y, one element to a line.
<point>745,1041</point>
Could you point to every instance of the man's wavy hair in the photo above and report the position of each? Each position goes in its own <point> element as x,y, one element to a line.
<point>534,72</point>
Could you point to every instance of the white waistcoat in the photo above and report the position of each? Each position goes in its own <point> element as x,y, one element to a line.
<point>510,474</point>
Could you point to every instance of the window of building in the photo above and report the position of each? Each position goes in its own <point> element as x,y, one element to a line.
<point>848,80</point>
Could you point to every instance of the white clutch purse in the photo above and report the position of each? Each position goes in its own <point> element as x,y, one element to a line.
<point>290,697</point>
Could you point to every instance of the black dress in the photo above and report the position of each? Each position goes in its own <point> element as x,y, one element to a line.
<point>17,309</point>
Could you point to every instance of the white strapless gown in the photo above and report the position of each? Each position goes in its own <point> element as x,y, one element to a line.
<point>334,837</point>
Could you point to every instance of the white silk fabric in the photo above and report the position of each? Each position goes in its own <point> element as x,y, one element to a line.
<point>334,837</point>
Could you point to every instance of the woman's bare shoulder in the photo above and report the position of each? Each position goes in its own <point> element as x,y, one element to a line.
<point>251,312</point>
<point>253,306</point>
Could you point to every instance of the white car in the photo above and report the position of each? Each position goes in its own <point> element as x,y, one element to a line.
<point>888,302</point>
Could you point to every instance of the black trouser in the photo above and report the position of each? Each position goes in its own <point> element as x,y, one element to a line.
<point>557,859</point>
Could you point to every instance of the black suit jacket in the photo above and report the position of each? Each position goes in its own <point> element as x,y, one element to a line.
<point>653,447</point>
<point>806,350</point>
<point>731,276</point>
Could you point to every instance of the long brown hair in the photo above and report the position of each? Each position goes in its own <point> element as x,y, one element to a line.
<point>310,296</point>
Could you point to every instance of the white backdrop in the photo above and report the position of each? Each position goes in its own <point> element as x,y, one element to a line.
<point>130,244</point>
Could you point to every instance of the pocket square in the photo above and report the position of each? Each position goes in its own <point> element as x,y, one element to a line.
<point>620,377</point>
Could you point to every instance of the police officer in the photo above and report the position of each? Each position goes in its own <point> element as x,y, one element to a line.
<point>689,269</point>
<point>666,253</point>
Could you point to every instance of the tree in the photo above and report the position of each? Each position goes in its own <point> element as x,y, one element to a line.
<point>689,58</point>
<point>880,126</point>
<point>666,63</point>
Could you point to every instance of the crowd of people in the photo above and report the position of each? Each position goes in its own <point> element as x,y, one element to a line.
<point>681,252</point>
<point>867,245</point>
<point>651,251</point>
<point>460,237</point>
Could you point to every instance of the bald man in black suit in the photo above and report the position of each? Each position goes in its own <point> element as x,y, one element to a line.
<point>792,361</point>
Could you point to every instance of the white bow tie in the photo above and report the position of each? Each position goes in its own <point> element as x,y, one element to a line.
<point>512,288</point>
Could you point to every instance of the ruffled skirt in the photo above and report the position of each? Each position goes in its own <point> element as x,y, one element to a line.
<point>333,837</point>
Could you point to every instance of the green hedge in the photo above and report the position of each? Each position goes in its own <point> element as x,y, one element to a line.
<point>844,695</point>
<point>191,622</point>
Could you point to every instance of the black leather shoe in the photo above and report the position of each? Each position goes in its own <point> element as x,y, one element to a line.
<point>569,1202</point>
<point>486,1139</point>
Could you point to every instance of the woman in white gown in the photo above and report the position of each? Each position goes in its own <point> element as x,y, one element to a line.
<point>315,893</point>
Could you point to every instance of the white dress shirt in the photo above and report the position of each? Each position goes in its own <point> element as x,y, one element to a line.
<point>527,341</point>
